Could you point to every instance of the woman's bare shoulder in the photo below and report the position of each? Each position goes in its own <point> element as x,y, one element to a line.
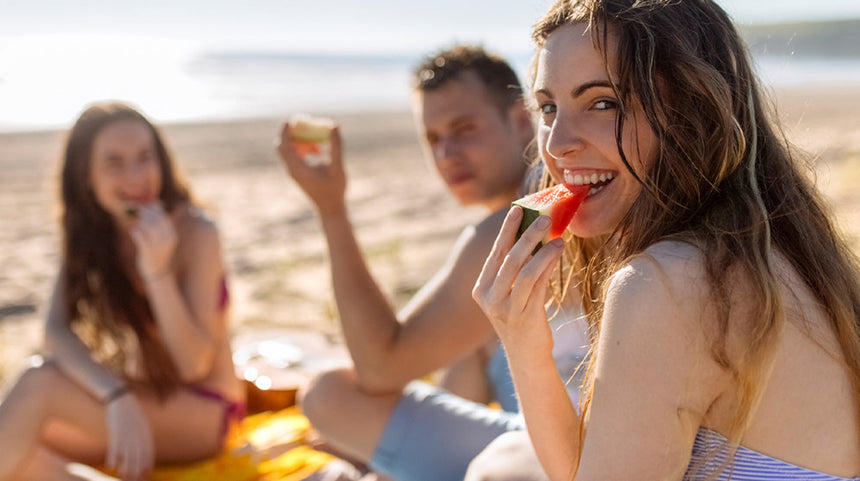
<point>672,266</point>
<point>195,221</point>
<point>656,310</point>
<point>198,233</point>
<point>663,295</point>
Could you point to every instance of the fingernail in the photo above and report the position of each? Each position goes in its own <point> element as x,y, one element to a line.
<point>557,242</point>
<point>542,222</point>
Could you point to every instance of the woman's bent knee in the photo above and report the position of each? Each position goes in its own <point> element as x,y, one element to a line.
<point>36,383</point>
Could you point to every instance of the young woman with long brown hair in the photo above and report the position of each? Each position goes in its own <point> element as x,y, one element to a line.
<point>139,366</point>
<point>724,306</point>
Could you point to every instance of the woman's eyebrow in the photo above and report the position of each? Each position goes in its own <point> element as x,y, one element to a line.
<point>579,90</point>
<point>589,85</point>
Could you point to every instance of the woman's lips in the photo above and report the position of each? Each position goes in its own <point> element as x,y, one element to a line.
<point>459,178</point>
<point>140,200</point>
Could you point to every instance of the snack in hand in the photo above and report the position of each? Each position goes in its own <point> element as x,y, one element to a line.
<point>311,138</point>
<point>559,202</point>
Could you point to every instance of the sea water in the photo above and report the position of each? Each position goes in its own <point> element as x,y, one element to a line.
<point>46,84</point>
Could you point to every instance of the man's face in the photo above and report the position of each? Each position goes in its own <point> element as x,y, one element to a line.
<point>477,150</point>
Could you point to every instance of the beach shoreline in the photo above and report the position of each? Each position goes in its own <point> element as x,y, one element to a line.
<point>275,252</point>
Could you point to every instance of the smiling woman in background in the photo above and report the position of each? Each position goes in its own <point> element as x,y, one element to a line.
<point>725,309</point>
<point>139,366</point>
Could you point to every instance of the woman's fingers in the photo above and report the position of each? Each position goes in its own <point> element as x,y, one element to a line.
<point>125,460</point>
<point>154,229</point>
<point>503,243</point>
<point>152,219</point>
<point>507,282</point>
<point>138,455</point>
<point>521,252</point>
<point>149,452</point>
<point>112,456</point>
<point>532,281</point>
<point>130,466</point>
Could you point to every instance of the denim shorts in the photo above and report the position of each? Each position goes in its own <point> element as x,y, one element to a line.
<point>433,435</point>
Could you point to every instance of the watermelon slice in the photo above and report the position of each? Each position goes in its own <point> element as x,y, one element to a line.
<point>312,138</point>
<point>559,202</point>
<point>310,129</point>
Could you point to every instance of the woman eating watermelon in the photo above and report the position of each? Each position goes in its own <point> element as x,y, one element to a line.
<point>724,306</point>
<point>139,367</point>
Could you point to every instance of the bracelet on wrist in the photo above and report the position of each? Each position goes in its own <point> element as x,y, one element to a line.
<point>115,394</point>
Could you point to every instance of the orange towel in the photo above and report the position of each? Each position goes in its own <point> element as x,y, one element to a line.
<point>269,446</point>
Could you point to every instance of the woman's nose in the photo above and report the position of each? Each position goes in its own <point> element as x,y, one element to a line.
<point>564,137</point>
<point>135,172</point>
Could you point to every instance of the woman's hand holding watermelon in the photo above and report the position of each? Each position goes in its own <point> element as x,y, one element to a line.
<point>513,285</point>
<point>156,239</point>
<point>512,290</point>
<point>324,183</point>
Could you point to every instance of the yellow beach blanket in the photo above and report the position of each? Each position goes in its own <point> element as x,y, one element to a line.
<point>269,446</point>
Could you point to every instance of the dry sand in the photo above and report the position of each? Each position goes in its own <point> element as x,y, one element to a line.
<point>276,255</point>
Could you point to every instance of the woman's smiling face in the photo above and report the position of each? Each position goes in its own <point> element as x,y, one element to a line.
<point>577,128</point>
<point>124,168</point>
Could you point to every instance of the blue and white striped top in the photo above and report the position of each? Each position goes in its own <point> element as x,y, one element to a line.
<point>711,448</point>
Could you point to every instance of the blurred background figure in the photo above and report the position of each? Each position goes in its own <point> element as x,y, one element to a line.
<point>138,367</point>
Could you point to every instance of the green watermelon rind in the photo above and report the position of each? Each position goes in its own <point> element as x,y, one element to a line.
<point>533,208</point>
<point>529,216</point>
<point>311,130</point>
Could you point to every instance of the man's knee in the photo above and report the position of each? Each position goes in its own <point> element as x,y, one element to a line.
<point>510,457</point>
<point>323,397</point>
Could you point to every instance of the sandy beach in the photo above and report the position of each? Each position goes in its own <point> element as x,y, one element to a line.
<point>405,219</point>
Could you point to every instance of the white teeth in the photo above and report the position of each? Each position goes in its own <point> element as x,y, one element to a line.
<point>579,179</point>
<point>595,190</point>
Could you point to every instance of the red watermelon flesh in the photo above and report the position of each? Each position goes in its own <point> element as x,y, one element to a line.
<point>559,202</point>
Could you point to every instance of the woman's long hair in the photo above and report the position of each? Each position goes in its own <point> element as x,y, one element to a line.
<point>725,180</point>
<point>101,303</point>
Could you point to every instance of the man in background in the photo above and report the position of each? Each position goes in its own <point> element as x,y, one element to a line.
<point>473,125</point>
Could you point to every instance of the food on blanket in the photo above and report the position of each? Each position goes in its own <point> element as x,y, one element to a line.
<point>273,364</point>
<point>265,366</point>
<point>559,203</point>
<point>312,138</point>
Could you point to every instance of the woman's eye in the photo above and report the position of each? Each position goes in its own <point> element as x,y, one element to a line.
<point>605,105</point>
<point>112,163</point>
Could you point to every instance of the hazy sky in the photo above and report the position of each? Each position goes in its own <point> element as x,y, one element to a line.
<point>332,25</point>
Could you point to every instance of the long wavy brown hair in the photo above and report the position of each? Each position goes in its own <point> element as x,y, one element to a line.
<point>101,302</point>
<point>725,180</point>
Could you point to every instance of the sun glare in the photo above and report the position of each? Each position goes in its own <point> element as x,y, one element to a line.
<point>49,79</point>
